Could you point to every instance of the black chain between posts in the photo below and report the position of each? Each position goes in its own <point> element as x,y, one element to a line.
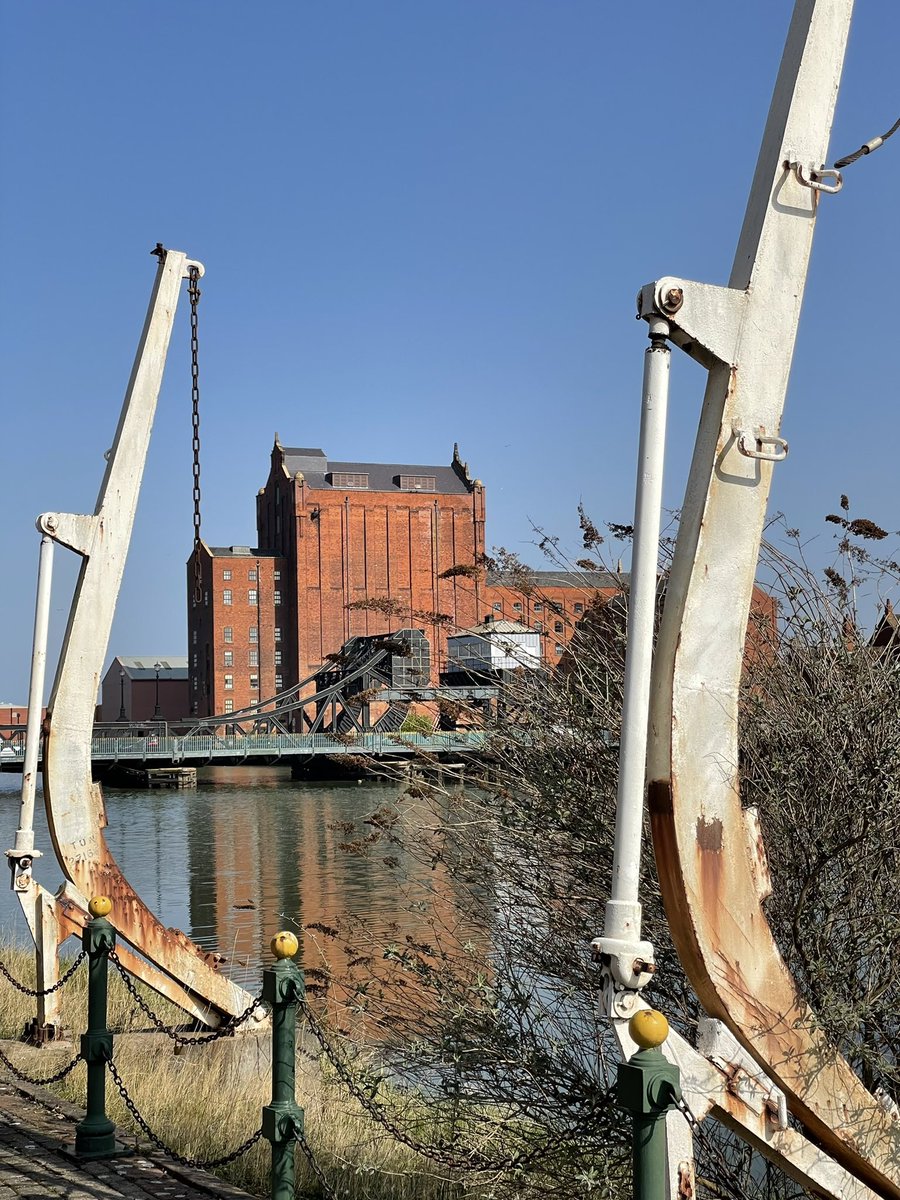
<point>40,1082</point>
<point>194,296</point>
<point>327,1190</point>
<point>226,1029</point>
<point>474,1160</point>
<point>61,982</point>
<point>196,1163</point>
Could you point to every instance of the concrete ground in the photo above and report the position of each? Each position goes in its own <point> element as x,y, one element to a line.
<point>37,1130</point>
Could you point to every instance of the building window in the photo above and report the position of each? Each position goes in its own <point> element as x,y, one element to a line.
<point>226,574</point>
<point>277,576</point>
<point>229,706</point>
<point>254,633</point>
<point>557,626</point>
<point>497,606</point>
<point>349,479</point>
<point>579,608</point>
<point>538,607</point>
<point>517,607</point>
<point>277,658</point>
<point>229,683</point>
<point>228,633</point>
<point>251,596</point>
<point>254,683</point>
<point>252,658</point>
<point>251,575</point>
<point>277,599</point>
<point>226,596</point>
<point>279,683</point>
<point>277,634</point>
<point>418,483</point>
<point>559,648</point>
<point>539,625</point>
<point>229,658</point>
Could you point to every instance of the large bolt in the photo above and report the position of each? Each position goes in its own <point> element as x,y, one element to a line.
<point>673,299</point>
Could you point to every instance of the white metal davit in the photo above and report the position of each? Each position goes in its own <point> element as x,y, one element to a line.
<point>166,958</point>
<point>762,1033</point>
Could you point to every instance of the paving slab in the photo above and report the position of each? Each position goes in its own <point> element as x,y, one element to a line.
<point>37,1133</point>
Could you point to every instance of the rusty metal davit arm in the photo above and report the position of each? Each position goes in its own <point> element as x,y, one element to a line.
<point>74,804</point>
<point>744,335</point>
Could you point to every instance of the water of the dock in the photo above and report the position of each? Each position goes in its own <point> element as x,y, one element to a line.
<point>37,1131</point>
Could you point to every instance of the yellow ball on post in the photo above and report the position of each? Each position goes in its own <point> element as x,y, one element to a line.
<point>648,1028</point>
<point>100,906</point>
<point>285,945</point>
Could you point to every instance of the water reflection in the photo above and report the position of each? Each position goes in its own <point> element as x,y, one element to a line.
<point>247,853</point>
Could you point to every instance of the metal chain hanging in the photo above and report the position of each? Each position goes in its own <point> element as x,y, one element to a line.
<point>194,296</point>
<point>200,1164</point>
<point>226,1029</point>
<point>21,987</point>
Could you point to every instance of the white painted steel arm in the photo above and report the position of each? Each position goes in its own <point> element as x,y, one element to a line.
<point>24,847</point>
<point>75,809</point>
<point>745,335</point>
<point>628,957</point>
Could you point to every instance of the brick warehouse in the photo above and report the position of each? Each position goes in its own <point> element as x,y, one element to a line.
<point>352,549</point>
<point>344,549</point>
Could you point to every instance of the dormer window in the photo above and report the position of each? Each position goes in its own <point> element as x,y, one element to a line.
<point>349,479</point>
<point>417,483</point>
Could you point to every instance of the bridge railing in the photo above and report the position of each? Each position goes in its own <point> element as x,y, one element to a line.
<point>129,748</point>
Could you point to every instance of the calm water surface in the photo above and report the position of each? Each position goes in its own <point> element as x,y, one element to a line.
<point>245,854</point>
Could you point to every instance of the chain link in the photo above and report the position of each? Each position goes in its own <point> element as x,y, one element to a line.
<point>226,1029</point>
<point>474,1160</point>
<point>327,1190</point>
<point>46,991</point>
<point>196,1163</point>
<point>40,1082</point>
<point>194,296</point>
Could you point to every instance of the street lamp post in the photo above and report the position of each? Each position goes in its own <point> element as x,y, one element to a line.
<point>156,713</point>
<point>122,716</point>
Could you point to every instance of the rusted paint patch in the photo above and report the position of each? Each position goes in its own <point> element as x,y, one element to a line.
<point>709,835</point>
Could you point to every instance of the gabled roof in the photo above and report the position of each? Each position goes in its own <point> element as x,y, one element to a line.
<point>486,628</point>
<point>240,552</point>
<point>170,667</point>
<point>318,471</point>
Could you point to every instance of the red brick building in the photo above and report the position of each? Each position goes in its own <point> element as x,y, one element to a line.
<point>550,602</point>
<point>344,549</point>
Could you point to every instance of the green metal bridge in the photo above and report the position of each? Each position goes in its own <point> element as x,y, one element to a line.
<point>201,749</point>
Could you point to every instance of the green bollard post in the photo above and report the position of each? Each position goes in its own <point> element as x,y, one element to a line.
<point>283,989</point>
<point>648,1086</point>
<point>95,1135</point>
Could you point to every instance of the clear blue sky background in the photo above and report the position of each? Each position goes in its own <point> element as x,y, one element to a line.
<point>422,223</point>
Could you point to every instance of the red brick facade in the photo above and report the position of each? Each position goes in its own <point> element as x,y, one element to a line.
<point>344,549</point>
<point>237,629</point>
<point>367,559</point>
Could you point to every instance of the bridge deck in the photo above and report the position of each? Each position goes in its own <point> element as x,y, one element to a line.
<point>207,748</point>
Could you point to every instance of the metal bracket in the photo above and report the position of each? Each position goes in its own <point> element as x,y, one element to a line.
<point>748,1079</point>
<point>751,444</point>
<point>815,177</point>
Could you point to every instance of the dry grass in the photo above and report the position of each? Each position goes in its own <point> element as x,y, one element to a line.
<point>205,1101</point>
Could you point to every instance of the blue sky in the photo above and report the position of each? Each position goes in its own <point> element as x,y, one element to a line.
<point>422,223</point>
